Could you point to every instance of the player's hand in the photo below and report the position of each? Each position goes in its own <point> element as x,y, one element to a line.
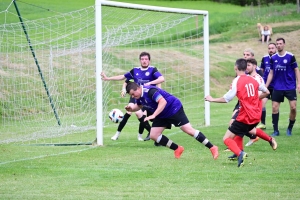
<point>208,98</point>
<point>123,93</point>
<point>149,118</point>
<point>103,76</point>
<point>128,108</point>
<point>298,87</point>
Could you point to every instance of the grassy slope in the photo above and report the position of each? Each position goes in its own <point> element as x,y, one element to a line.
<point>128,169</point>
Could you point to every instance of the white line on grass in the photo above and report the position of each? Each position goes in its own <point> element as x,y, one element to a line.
<point>43,156</point>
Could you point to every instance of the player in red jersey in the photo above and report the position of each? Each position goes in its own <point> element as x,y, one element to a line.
<point>246,88</point>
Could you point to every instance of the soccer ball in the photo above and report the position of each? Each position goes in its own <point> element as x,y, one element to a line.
<point>116,115</point>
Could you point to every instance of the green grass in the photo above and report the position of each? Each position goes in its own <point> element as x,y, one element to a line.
<point>128,169</point>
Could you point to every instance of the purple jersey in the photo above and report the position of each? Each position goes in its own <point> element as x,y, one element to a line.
<point>283,67</point>
<point>266,65</point>
<point>142,76</point>
<point>150,97</point>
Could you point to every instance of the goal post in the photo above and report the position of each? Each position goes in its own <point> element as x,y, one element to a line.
<point>72,49</point>
<point>178,42</point>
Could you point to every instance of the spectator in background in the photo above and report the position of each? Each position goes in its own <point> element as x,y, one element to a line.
<point>265,35</point>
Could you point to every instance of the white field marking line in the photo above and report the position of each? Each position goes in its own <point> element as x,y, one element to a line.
<point>52,155</point>
<point>44,156</point>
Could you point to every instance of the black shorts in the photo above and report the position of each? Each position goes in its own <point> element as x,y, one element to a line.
<point>178,119</point>
<point>237,106</point>
<point>278,95</point>
<point>235,114</point>
<point>271,91</point>
<point>239,128</point>
<point>131,100</point>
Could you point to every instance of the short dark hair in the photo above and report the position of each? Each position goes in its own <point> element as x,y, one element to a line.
<point>145,54</point>
<point>252,61</point>
<point>131,86</point>
<point>241,64</point>
<point>281,39</point>
<point>272,43</point>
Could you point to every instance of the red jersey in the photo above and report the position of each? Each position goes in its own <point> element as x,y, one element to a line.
<point>246,89</point>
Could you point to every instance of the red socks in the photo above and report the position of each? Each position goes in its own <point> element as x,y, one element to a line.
<point>231,144</point>
<point>260,133</point>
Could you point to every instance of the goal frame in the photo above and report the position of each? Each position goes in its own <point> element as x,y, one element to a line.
<point>98,33</point>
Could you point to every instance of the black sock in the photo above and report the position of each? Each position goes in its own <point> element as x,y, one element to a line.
<point>123,122</point>
<point>201,138</point>
<point>141,128</point>
<point>251,136</point>
<point>291,124</point>
<point>146,124</point>
<point>275,119</point>
<point>164,141</point>
<point>263,116</point>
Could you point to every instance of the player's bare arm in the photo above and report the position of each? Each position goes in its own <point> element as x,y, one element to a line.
<point>157,81</point>
<point>123,91</point>
<point>113,78</point>
<point>298,78</point>
<point>216,100</point>
<point>133,107</point>
<point>160,107</point>
<point>270,77</point>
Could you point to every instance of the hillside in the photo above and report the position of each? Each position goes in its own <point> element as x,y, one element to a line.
<point>229,52</point>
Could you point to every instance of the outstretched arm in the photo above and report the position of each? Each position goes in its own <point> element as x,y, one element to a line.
<point>113,78</point>
<point>217,100</point>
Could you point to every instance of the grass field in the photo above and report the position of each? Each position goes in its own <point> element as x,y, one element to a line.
<point>129,169</point>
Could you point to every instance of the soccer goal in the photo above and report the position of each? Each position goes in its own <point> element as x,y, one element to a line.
<point>47,78</point>
<point>50,86</point>
<point>178,41</point>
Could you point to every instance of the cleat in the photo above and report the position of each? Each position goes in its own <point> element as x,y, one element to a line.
<point>273,144</point>
<point>276,133</point>
<point>233,157</point>
<point>226,150</point>
<point>261,126</point>
<point>289,132</point>
<point>115,137</point>
<point>157,144</point>
<point>251,141</point>
<point>241,158</point>
<point>178,152</point>
<point>147,138</point>
<point>214,152</point>
<point>140,137</point>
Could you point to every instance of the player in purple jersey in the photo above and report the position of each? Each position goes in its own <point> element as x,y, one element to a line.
<point>265,67</point>
<point>142,75</point>
<point>165,110</point>
<point>285,74</point>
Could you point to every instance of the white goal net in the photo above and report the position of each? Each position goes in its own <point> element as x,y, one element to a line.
<point>49,78</point>
<point>177,40</point>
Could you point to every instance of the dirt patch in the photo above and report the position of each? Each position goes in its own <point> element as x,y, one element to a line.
<point>220,52</point>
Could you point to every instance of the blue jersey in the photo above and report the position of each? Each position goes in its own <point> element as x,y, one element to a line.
<point>150,97</point>
<point>142,76</point>
<point>266,65</point>
<point>283,67</point>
